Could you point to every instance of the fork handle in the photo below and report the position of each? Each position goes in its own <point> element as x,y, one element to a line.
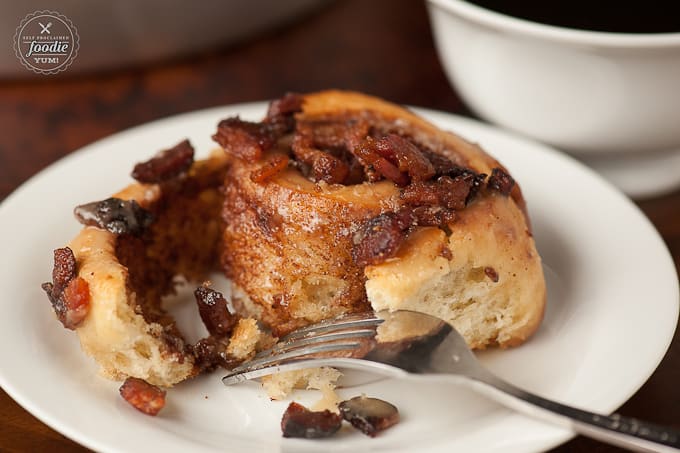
<point>614,429</point>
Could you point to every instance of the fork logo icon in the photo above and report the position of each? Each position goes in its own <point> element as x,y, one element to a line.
<point>46,42</point>
<point>45,28</point>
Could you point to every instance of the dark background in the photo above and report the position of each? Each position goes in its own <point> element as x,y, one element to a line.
<point>381,47</point>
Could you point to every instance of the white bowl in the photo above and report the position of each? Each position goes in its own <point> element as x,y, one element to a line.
<point>602,96</point>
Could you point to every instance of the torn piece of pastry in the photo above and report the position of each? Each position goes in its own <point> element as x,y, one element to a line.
<point>108,283</point>
<point>338,202</point>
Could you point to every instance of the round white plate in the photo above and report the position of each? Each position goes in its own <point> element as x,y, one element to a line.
<point>612,311</point>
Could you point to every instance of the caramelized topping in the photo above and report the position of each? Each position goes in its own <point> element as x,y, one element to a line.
<point>115,215</point>
<point>369,415</point>
<point>143,396</point>
<point>447,192</point>
<point>501,181</point>
<point>351,149</point>
<point>165,165</point>
<point>298,421</point>
<point>272,167</point>
<point>380,238</point>
<point>244,139</point>
<point>396,158</point>
<point>324,166</point>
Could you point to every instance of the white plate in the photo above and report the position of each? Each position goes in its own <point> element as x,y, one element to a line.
<point>612,310</point>
<point>640,175</point>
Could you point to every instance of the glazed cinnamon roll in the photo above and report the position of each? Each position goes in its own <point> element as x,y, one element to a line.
<point>339,202</point>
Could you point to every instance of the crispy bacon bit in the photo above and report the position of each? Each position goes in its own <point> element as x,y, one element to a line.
<point>396,158</point>
<point>381,238</point>
<point>76,297</point>
<point>407,155</point>
<point>115,215</point>
<point>436,216</point>
<point>64,269</point>
<point>165,165</point>
<point>289,104</point>
<point>328,168</point>
<point>211,352</point>
<point>501,181</point>
<point>143,396</point>
<point>335,137</point>
<point>369,415</point>
<point>450,193</point>
<point>244,139</point>
<point>272,167</point>
<point>443,164</point>
<point>390,171</point>
<point>491,273</point>
<point>212,306</point>
<point>334,164</point>
<point>324,166</point>
<point>298,421</point>
<point>68,293</point>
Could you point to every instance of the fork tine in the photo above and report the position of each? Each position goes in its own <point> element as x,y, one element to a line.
<point>354,320</point>
<point>275,359</point>
<point>346,333</point>
<point>304,341</point>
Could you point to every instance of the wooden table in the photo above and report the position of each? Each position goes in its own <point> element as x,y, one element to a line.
<point>389,55</point>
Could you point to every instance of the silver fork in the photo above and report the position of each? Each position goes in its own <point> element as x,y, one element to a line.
<point>406,344</point>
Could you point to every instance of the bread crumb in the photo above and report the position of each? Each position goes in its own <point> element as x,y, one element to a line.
<point>280,385</point>
<point>244,339</point>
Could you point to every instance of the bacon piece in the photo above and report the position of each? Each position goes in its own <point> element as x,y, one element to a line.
<point>443,165</point>
<point>244,139</point>
<point>369,415</point>
<point>433,215</point>
<point>68,293</point>
<point>289,104</point>
<point>324,166</point>
<point>212,306</point>
<point>381,237</point>
<point>407,155</point>
<point>334,136</point>
<point>500,181</point>
<point>390,171</point>
<point>211,352</point>
<point>396,158</point>
<point>272,167</point>
<point>450,193</point>
<point>324,145</point>
<point>76,306</point>
<point>115,215</point>
<point>298,421</point>
<point>64,269</point>
<point>143,396</point>
<point>165,165</point>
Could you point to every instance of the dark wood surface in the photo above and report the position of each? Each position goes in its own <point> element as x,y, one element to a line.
<point>381,47</point>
